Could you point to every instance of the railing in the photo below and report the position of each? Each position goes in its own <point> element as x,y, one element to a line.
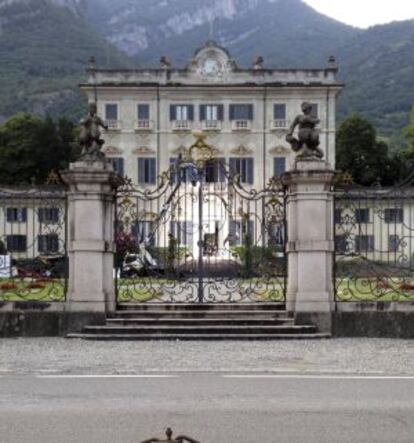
<point>279,124</point>
<point>113,125</point>
<point>211,125</point>
<point>144,125</point>
<point>241,125</point>
<point>182,125</point>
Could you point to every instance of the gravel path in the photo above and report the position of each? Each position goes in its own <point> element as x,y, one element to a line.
<point>339,356</point>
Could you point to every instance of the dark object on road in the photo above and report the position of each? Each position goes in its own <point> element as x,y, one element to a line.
<point>169,433</point>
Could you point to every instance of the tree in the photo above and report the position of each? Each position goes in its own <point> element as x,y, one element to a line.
<point>364,156</point>
<point>30,148</point>
<point>410,135</point>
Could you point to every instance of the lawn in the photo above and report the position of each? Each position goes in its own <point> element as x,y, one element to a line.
<point>369,290</point>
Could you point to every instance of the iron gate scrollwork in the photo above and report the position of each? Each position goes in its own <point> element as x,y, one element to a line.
<point>33,253</point>
<point>374,242</point>
<point>200,235</point>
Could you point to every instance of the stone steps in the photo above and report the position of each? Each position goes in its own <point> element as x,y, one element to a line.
<point>190,321</point>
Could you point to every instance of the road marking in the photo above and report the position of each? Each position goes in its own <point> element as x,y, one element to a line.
<point>320,377</point>
<point>61,376</point>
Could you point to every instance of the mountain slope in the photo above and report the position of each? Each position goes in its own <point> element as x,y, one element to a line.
<point>378,67</point>
<point>286,32</point>
<point>44,49</point>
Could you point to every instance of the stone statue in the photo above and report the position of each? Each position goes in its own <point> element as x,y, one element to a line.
<point>90,135</point>
<point>307,143</point>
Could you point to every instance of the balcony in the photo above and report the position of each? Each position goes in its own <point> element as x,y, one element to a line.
<point>211,125</point>
<point>113,125</point>
<point>182,125</point>
<point>241,125</point>
<point>276,125</point>
<point>144,125</point>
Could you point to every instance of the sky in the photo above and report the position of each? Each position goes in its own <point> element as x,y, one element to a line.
<point>365,13</point>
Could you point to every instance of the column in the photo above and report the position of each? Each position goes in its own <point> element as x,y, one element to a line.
<point>310,247</point>
<point>91,246</point>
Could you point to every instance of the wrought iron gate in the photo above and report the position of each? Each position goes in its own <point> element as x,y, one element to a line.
<point>374,242</point>
<point>201,236</point>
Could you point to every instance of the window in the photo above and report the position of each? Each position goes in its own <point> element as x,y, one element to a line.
<point>241,112</point>
<point>364,243</point>
<point>48,215</point>
<point>362,215</point>
<point>118,165</point>
<point>279,166</point>
<point>111,111</point>
<point>214,171</point>
<point>48,243</point>
<point>146,171</point>
<point>276,235</point>
<point>142,231</point>
<point>243,167</point>
<point>279,111</point>
<point>16,243</point>
<point>181,112</point>
<point>187,174</point>
<point>393,215</point>
<point>240,232</point>
<point>211,112</point>
<point>315,110</point>
<point>18,215</point>
<point>393,243</point>
<point>340,244</point>
<point>143,112</point>
<point>183,232</point>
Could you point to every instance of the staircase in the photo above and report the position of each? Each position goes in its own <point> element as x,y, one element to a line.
<point>189,321</point>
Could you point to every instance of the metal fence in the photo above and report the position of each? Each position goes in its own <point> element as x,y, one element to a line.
<point>374,243</point>
<point>33,237</point>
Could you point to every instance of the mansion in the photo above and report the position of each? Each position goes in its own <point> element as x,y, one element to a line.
<point>152,113</point>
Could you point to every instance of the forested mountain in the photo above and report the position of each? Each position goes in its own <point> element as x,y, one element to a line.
<point>45,44</point>
<point>44,50</point>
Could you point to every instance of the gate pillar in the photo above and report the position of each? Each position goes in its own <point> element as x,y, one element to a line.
<point>310,246</point>
<point>90,237</point>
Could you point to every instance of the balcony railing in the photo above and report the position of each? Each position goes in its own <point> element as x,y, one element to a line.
<point>242,125</point>
<point>279,124</point>
<point>182,125</point>
<point>211,125</point>
<point>113,125</point>
<point>144,125</point>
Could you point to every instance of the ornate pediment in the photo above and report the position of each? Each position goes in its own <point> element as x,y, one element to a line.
<point>242,150</point>
<point>112,150</point>
<point>277,150</point>
<point>143,150</point>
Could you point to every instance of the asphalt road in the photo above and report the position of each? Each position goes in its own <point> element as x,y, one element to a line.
<point>213,407</point>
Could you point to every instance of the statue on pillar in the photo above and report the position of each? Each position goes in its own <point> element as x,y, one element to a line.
<point>307,143</point>
<point>90,135</point>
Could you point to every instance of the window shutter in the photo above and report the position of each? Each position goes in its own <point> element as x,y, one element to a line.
<point>220,112</point>
<point>221,164</point>
<point>152,171</point>
<point>143,112</point>
<point>121,167</point>
<point>202,112</point>
<point>173,173</point>
<point>191,113</point>
<point>141,170</point>
<point>189,233</point>
<point>233,166</point>
<point>279,166</point>
<point>250,112</point>
<point>315,110</point>
<point>10,214</point>
<point>232,112</point>
<point>279,111</point>
<point>249,178</point>
<point>173,113</point>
